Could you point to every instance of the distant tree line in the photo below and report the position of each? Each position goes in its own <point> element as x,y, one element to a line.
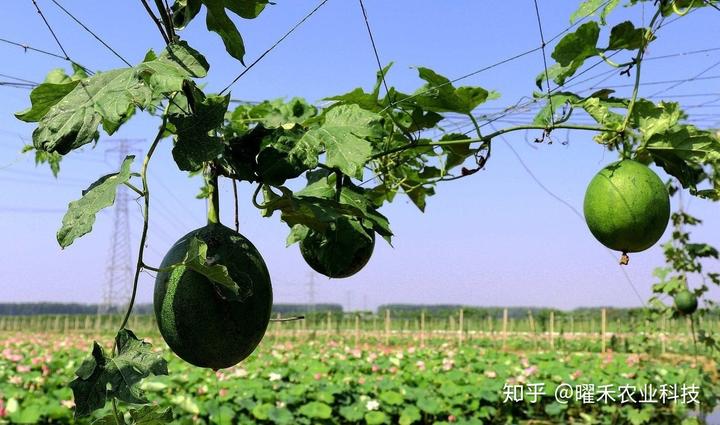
<point>398,311</point>
<point>539,314</point>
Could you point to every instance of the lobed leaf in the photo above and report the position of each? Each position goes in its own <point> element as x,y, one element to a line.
<point>592,7</point>
<point>100,378</point>
<point>197,260</point>
<point>80,216</point>
<point>439,95</point>
<point>194,144</point>
<point>343,137</point>
<point>572,50</point>
<point>69,110</point>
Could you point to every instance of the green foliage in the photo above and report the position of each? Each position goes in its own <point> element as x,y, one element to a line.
<point>101,377</point>
<point>591,7</point>
<point>146,415</point>
<point>69,113</point>
<point>194,144</point>
<point>80,216</point>
<point>342,135</point>
<point>439,95</point>
<point>684,260</point>
<point>394,143</point>
<point>41,157</point>
<point>217,19</point>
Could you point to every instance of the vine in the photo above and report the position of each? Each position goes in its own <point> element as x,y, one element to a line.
<point>334,148</point>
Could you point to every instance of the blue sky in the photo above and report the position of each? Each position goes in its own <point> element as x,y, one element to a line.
<point>495,238</point>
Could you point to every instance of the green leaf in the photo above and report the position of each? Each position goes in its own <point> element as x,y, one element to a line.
<point>376,418</point>
<point>350,196</point>
<point>281,416</point>
<point>626,36</point>
<point>409,415</point>
<point>572,50</point>
<point>70,109</point>
<point>688,144</point>
<point>194,145</point>
<point>456,154</point>
<point>273,113</point>
<point>100,377</point>
<point>196,260</point>
<point>316,410</point>
<point>298,232</point>
<point>653,119</point>
<point>248,9</point>
<point>391,397</point>
<point>439,95</point>
<point>682,152</point>
<point>53,159</point>
<point>80,216</point>
<point>219,22</point>
<point>151,415</point>
<point>354,412</point>
<point>555,409</point>
<point>108,98</point>
<point>600,111</point>
<point>109,420</point>
<point>183,11</point>
<point>367,101</point>
<point>284,155</point>
<point>262,411</point>
<point>640,416</point>
<point>592,7</point>
<point>557,102</point>
<point>343,134</point>
<point>316,213</point>
<point>176,65</point>
<point>44,97</point>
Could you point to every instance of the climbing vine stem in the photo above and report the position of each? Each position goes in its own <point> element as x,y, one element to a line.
<point>637,62</point>
<point>487,138</point>
<point>143,237</point>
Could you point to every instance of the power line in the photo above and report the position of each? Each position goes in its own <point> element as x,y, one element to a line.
<point>91,32</point>
<point>374,46</point>
<point>17,85</point>
<point>47,24</point>
<point>687,80</point>
<point>296,26</point>
<point>27,47</point>
<point>18,79</point>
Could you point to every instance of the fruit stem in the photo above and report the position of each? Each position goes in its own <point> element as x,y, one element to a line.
<point>213,212</point>
<point>624,259</point>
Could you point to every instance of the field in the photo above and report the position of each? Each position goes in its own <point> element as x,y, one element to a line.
<point>334,372</point>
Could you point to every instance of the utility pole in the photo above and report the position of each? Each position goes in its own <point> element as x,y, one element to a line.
<point>118,271</point>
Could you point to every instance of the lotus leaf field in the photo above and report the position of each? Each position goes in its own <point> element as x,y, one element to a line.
<point>330,380</point>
